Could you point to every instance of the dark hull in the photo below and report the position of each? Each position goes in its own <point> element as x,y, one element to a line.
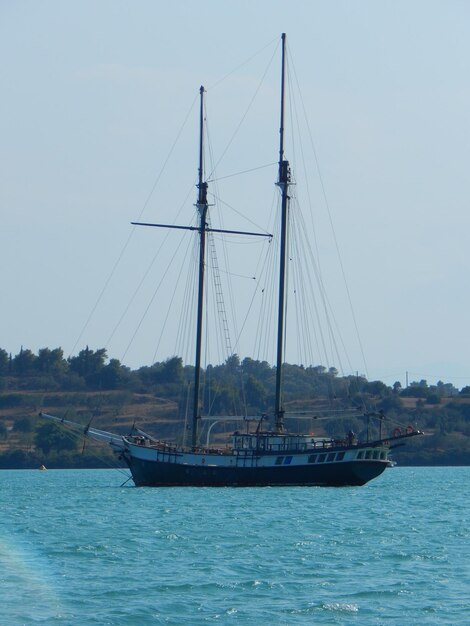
<point>341,474</point>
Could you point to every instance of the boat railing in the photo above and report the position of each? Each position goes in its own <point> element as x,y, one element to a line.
<point>285,447</point>
<point>172,448</point>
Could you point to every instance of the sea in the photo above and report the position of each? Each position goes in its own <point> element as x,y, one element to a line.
<point>79,548</point>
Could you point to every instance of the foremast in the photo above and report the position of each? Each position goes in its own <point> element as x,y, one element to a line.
<point>283,184</point>
<point>203,229</point>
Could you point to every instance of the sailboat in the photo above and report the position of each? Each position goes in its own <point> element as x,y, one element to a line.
<point>265,457</point>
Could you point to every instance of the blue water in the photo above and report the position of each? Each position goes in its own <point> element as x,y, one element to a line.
<point>76,548</point>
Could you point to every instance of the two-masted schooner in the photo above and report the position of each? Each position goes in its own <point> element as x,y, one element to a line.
<point>263,457</point>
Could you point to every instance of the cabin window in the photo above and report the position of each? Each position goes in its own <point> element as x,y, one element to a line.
<point>340,456</point>
<point>312,458</point>
<point>376,454</point>
<point>287,460</point>
<point>321,458</point>
<point>383,455</point>
<point>360,454</point>
<point>331,456</point>
<point>368,454</point>
<point>279,460</point>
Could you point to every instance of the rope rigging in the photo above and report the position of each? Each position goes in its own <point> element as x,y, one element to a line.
<point>316,342</point>
<point>131,233</point>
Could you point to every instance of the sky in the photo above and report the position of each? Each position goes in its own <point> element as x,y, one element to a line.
<point>95,94</point>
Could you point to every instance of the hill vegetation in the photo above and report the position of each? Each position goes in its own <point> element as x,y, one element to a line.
<point>90,388</point>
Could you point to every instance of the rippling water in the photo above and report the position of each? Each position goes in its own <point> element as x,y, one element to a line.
<point>76,548</point>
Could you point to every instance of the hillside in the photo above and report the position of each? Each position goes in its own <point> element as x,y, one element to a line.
<point>88,389</point>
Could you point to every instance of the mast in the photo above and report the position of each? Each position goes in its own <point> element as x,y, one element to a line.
<point>202,228</point>
<point>202,207</point>
<point>283,184</point>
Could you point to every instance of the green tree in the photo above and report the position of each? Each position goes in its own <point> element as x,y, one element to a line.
<point>446,389</point>
<point>114,375</point>
<point>51,361</point>
<point>219,398</point>
<point>24,362</point>
<point>172,370</point>
<point>416,390</point>
<point>377,388</point>
<point>433,398</point>
<point>391,403</point>
<point>256,395</point>
<point>89,364</point>
<point>233,362</point>
<point>356,384</point>
<point>24,424</point>
<point>50,437</point>
<point>4,362</point>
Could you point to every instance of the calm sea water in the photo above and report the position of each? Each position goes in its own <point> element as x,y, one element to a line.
<point>76,548</point>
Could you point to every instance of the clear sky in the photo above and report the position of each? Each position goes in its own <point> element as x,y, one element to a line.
<point>94,94</point>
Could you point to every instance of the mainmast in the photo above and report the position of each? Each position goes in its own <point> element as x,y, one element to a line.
<point>283,184</point>
<point>202,207</point>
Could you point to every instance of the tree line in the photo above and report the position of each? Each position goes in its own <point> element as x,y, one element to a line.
<point>237,386</point>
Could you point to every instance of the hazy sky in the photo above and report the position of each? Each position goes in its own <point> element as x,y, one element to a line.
<point>94,94</point>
